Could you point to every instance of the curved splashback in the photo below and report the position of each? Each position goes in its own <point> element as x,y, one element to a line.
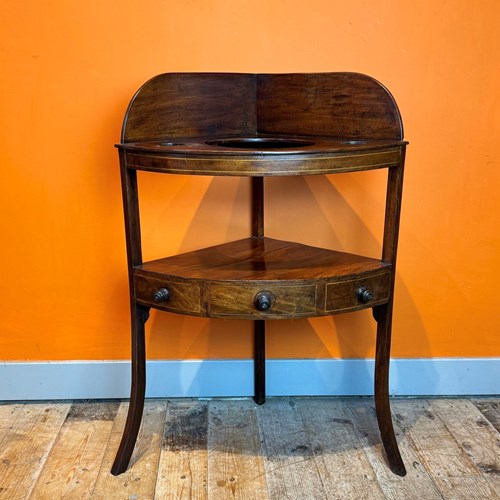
<point>344,105</point>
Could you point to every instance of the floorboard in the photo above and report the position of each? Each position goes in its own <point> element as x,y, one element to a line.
<point>291,471</point>
<point>236,466</point>
<point>445,459</point>
<point>72,467</point>
<point>139,481</point>
<point>26,445</point>
<point>474,434</point>
<point>418,482</point>
<point>337,451</point>
<point>289,448</point>
<point>183,467</point>
<point>490,408</point>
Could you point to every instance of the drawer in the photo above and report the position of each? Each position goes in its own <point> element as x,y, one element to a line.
<point>355,294</point>
<point>182,297</point>
<point>243,300</point>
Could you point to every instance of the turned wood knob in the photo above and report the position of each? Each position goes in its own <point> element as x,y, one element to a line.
<point>364,295</point>
<point>264,301</point>
<point>161,295</point>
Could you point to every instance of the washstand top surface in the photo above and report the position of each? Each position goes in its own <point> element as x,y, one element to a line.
<point>290,117</point>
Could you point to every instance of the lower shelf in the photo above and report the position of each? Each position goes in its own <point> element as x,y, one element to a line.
<point>262,278</point>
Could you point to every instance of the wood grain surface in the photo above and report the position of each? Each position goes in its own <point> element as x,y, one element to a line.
<point>324,448</point>
<point>262,125</point>
<point>349,105</point>
<point>223,281</point>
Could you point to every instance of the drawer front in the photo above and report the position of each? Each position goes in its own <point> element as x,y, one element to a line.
<point>356,294</point>
<point>182,297</point>
<point>243,300</point>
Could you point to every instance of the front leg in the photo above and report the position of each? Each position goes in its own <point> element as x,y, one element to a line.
<point>383,316</point>
<point>140,315</point>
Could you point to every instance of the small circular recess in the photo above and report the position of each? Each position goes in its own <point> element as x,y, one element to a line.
<point>169,144</point>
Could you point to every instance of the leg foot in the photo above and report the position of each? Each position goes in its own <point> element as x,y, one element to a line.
<point>383,315</point>
<point>139,317</point>
<point>260,361</point>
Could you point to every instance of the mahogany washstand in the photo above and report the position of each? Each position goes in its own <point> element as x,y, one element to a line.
<point>260,125</point>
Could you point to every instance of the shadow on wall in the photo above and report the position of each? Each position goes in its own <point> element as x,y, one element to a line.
<point>318,210</point>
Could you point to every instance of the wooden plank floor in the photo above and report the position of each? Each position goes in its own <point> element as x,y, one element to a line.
<point>294,448</point>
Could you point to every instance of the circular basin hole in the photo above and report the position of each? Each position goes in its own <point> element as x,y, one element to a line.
<point>261,143</point>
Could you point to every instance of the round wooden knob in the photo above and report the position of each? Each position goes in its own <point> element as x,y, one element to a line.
<point>161,295</point>
<point>264,301</point>
<point>364,295</point>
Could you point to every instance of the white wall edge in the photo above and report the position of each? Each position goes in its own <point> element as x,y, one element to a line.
<point>234,378</point>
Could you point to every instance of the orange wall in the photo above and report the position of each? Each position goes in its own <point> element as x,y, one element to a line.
<point>68,71</point>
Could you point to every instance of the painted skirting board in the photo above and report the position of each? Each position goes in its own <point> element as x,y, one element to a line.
<point>212,378</point>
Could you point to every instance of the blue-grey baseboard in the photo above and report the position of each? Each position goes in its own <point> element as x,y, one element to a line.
<point>234,378</point>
